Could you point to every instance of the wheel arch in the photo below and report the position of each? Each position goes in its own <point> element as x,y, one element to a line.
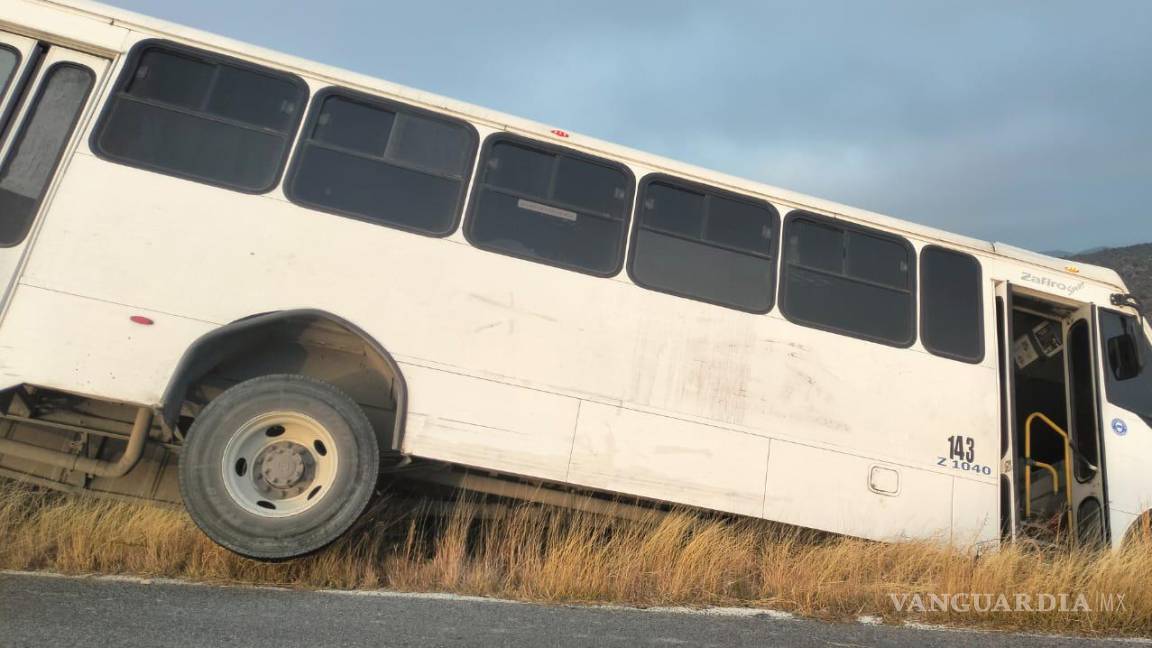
<point>271,331</point>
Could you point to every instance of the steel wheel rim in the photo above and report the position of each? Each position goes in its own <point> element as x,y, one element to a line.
<point>279,464</point>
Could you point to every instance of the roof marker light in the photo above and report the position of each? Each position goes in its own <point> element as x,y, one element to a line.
<point>559,133</point>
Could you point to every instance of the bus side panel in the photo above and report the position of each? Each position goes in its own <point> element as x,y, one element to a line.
<point>131,237</point>
<point>833,491</point>
<point>91,347</point>
<point>975,512</point>
<point>483,423</point>
<point>669,459</point>
<point>819,388</point>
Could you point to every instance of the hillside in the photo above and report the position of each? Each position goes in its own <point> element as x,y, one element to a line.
<point>1134,263</point>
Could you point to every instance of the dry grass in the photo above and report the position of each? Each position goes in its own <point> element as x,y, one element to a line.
<point>550,555</point>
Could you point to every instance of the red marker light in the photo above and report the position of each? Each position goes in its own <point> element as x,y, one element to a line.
<point>140,319</point>
<point>559,133</point>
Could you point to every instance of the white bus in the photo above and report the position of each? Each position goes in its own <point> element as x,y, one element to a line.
<point>282,280</point>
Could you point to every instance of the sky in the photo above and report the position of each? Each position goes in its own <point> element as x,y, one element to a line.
<point>1025,122</point>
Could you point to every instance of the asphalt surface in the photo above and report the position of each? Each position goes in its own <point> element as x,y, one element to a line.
<point>38,610</point>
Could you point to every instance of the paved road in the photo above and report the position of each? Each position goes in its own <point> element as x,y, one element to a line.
<point>58,611</point>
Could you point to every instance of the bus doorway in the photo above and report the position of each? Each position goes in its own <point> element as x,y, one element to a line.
<point>44,92</point>
<point>1056,484</point>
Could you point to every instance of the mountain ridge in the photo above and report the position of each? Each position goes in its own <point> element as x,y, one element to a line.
<point>1133,263</point>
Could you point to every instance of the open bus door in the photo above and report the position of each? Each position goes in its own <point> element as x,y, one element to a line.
<point>1086,476</point>
<point>1052,478</point>
<point>1009,507</point>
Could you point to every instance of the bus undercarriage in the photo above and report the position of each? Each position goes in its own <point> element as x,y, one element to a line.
<point>72,437</point>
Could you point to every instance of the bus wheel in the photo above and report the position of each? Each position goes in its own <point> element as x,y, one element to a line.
<point>278,466</point>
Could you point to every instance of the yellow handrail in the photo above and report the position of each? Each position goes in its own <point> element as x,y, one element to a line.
<point>1029,461</point>
<point>1028,482</point>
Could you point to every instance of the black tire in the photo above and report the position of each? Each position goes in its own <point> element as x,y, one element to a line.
<point>225,520</point>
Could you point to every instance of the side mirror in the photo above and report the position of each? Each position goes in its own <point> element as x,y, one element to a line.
<point>1124,356</point>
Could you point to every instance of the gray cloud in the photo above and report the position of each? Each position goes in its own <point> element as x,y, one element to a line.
<point>1025,122</point>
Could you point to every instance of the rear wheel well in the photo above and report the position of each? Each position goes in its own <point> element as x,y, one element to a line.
<point>305,342</point>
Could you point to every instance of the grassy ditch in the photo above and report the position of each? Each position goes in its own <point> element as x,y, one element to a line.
<point>555,555</point>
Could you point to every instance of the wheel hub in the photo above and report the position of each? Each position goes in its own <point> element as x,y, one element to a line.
<point>279,464</point>
<point>283,469</point>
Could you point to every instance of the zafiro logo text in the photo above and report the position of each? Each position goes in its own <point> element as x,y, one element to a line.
<point>1049,282</point>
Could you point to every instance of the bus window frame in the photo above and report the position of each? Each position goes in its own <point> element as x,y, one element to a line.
<point>303,137</point>
<point>552,149</point>
<point>849,226</point>
<point>980,306</point>
<point>17,68</point>
<point>128,71</point>
<point>1107,390</point>
<point>699,187</point>
<point>21,132</point>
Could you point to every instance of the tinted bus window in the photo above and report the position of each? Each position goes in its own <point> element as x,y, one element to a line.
<point>951,316</point>
<point>705,244</point>
<point>1128,381</point>
<point>551,205</point>
<point>848,279</point>
<point>39,145</point>
<point>9,61</point>
<point>195,115</point>
<point>383,162</point>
